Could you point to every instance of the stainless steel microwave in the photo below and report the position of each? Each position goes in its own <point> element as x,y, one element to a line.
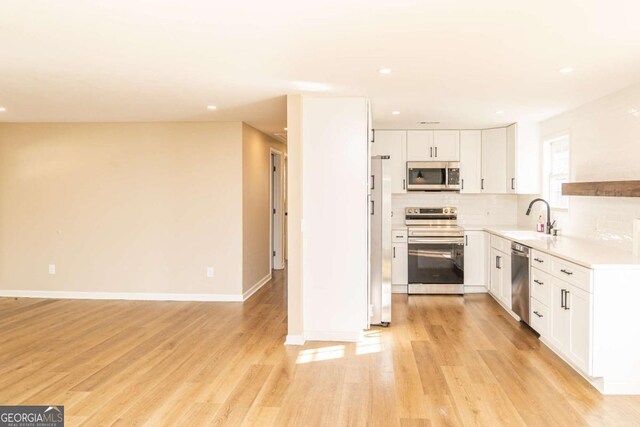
<point>433,176</point>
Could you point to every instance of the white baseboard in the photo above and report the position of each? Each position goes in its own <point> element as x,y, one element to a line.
<point>399,289</point>
<point>133,296</point>
<point>475,290</point>
<point>255,288</point>
<point>294,340</point>
<point>333,336</point>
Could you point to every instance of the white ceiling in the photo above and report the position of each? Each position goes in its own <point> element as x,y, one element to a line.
<point>456,62</point>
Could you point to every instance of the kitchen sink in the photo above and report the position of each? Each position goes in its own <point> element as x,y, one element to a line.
<point>528,235</point>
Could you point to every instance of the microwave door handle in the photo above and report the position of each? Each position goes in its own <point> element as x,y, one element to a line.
<point>446,173</point>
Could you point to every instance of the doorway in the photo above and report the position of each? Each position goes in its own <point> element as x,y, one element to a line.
<point>277,209</point>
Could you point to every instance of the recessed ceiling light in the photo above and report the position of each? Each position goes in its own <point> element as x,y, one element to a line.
<point>395,113</point>
<point>634,112</point>
<point>2,109</point>
<point>384,70</point>
<point>211,107</point>
<point>566,70</point>
<point>286,129</point>
<point>499,112</point>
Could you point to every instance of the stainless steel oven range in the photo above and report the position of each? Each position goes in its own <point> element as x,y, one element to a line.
<point>436,251</point>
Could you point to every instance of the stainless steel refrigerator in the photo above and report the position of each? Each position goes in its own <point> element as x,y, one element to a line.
<point>380,242</point>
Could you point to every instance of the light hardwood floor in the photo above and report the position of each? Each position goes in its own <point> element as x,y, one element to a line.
<point>444,361</point>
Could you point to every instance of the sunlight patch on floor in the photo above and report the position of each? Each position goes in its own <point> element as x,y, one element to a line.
<point>370,343</point>
<point>320,354</point>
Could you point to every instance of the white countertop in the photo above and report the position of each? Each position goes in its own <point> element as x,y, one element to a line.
<point>589,253</point>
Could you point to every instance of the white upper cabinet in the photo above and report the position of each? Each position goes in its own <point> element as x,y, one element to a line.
<point>470,161</point>
<point>446,145</point>
<point>523,158</point>
<point>494,161</point>
<point>437,146</point>
<point>393,143</point>
<point>420,145</point>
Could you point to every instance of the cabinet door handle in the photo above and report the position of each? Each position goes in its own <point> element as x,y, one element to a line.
<point>538,260</point>
<point>436,152</point>
<point>538,282</point>
<point>538,314</point>
<point>372,207</point>
<point>567,272</point>
<point>482,184</point>
<point>404,184</point>
<point>498,263</point>
<point>566,300</point>
<point>466,240</point>
<point>513,183</point>
<point>462,183</point>
<point>430,151</point>
<point>394,252</point>
<point>373,182</point>
<point>562,291</point>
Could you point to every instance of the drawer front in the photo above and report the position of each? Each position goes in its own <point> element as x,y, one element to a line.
<point>540,260</point>
<point>501,244</point>
<point>541,286</point>
<point>399,236</point>
<point>540,319</point>
<point>577,275</point>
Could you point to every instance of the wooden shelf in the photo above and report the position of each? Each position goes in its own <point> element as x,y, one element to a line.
<point>602,189</point>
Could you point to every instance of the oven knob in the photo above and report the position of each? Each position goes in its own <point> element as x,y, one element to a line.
<point>446,211</point>
<point>410,210</point>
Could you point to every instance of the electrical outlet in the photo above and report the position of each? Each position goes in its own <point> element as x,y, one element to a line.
<point>52,269</point>
<point>209,271</point>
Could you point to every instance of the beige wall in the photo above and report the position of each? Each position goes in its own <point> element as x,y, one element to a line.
<point>141,207</point>
<point>256,245</point>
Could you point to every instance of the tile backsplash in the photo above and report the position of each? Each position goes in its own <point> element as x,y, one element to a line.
<point>608,220</point>
<point>473,209</point>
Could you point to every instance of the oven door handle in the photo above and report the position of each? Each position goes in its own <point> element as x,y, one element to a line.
<point>455,241</point>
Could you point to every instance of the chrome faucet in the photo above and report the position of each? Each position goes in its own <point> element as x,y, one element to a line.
<point>549,225</point>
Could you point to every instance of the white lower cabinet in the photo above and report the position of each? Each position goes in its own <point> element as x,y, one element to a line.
<point>559,335</point>
<point>579,308</point>
<point>475,265</point>
<point>585,315</point>
<point>540,317</point>
<point>570,326</point>
<point>500,282</point>
<point>399,264</point>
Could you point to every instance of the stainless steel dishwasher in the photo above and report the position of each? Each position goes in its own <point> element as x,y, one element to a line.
<point>520,281</point>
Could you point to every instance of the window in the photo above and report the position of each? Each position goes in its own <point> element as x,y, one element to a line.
<point>556,171</point>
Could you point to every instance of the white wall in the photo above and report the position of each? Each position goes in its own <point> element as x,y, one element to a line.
<point>605,146</point>
<point>473,209</point>
<point>295,251</point>
<point>334,152</point>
